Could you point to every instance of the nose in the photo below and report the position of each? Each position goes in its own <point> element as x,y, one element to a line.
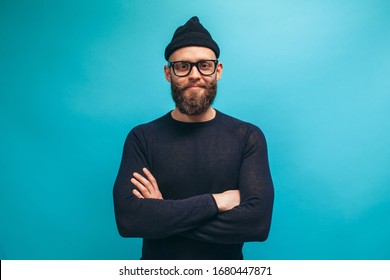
<point>194,73</point>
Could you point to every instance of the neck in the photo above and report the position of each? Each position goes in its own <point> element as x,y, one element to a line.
<point>204,117</point>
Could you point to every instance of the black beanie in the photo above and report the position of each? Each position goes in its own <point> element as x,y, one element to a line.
<point>191,34</point>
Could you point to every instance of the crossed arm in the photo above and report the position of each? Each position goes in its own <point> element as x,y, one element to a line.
<point>233,216</point>
<point>147,187</point>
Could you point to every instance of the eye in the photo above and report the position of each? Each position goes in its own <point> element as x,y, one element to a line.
<point>205,65</point>
<point>181,66</point>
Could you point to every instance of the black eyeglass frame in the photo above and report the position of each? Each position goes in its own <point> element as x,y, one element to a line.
<point>192,64</point>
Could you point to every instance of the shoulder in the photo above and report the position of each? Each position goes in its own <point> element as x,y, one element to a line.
<point>251,136</point>
<point>141,132</point>
<point>151,126</point>
<point>240,127</point>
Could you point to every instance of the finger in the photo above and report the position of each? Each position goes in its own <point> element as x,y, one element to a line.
<point>145,182</point>
<point>137,194</point>
<point>141,188</point>
<point>151,178</point>
<point>153,182</point>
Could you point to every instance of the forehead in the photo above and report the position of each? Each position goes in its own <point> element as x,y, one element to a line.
<point>192,54</point>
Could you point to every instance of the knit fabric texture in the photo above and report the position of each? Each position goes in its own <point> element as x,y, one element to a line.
<point>192,161</point>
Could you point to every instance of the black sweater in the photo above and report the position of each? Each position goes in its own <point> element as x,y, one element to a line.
<point>190,161</point>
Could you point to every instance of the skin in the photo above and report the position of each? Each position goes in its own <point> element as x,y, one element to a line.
<point>146,184</point>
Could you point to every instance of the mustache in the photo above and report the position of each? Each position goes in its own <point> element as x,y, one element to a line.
<point>196,84</point>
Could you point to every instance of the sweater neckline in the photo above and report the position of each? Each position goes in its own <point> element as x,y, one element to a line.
<point>193,124</point>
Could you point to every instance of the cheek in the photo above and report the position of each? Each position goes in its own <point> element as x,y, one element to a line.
<point>211,80</point>
<point>178,81</point>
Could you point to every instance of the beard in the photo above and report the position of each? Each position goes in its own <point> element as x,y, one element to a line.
<point>194,102</point>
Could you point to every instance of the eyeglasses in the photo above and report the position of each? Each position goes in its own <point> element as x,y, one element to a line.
<point>183,68</point>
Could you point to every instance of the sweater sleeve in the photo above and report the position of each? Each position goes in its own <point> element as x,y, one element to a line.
<point>251,220</point>
<point>153,218</point>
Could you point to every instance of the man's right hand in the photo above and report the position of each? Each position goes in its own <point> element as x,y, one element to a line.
<point>227,200</point>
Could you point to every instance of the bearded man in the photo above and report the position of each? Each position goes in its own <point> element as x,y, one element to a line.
<point>194,183</point>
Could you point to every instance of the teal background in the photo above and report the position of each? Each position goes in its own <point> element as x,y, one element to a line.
<point>76,76</point>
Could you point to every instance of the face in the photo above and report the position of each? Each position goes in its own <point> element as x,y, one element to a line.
<point>194,93</point>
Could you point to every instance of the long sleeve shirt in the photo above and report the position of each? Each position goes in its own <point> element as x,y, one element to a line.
<point>192,161</point>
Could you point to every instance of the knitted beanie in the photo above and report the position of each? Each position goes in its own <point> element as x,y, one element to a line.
<point>192,33</point>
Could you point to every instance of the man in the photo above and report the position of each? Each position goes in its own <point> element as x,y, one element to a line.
<point>195,183</point>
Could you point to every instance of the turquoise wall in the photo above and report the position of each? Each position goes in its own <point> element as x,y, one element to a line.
<point>76,76</point>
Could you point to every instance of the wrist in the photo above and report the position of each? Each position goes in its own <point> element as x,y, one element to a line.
<point>219,202</point>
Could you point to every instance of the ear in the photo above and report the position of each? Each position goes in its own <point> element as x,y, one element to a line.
<point>167,72</point>
<point>219,70</point>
